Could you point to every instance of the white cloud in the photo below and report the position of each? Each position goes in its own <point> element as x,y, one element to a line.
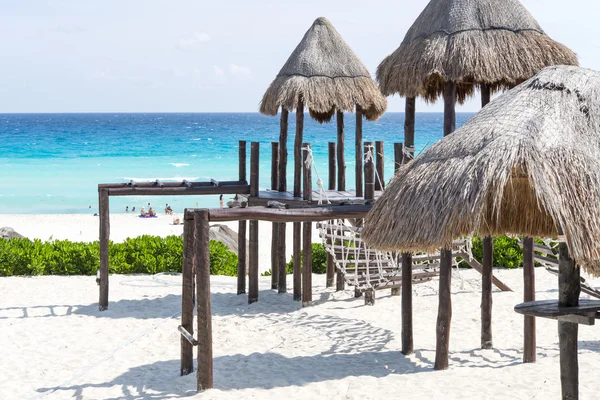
<point>240,72</point>
<point>194,41</point>
<point>218,71</point>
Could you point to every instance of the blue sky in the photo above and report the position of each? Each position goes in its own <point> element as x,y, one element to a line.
<point>200,56</point>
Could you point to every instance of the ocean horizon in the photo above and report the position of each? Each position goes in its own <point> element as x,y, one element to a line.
<point>52,163</point>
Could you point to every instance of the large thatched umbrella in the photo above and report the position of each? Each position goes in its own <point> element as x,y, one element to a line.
<point>527,164</point>
<point>324,75</point>
<point>453,47</point>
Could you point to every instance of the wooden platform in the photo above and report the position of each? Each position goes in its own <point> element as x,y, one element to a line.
<point>334,196</point>
<point>585,313</point>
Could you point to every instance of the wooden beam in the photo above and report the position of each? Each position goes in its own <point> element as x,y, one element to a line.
<point>379,164</point>
<point>331,183</point>
<point>274,165</point>
<point>282,283</point>
<point>254,168</point>
<point>104,238</point>
<point>283,153</point>
<point>358,150</point>
<point>242,160</point>
<point>306,173</point>
<point>253,268</point>
<point>409,125</point>
<point>529,354</point>
<point>473,263</point>
<point>202,264</point>
<point>297,263</point>
<point>242,248</point>
<point>274,227</point>
<point>486,293</point>
<point>369,172</point>
<point>444,318</point>
<point>187,296</point>
<point>341,162</point>
<point>330,276</point>
<point>179,191</point>
<point>569,289</point>
<point>485,95</point>
<point>398,156</point>
<point>170,185</point>
<point>306,264</point>
<point>407,318</point>
<point>298,149</point>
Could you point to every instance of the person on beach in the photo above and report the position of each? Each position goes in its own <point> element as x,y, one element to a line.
<point>126,208</point>
<point>143,212</point>
<point>133,209</point>
<point>168,210</point>
<point>221,201</point>
<point>151,212</point>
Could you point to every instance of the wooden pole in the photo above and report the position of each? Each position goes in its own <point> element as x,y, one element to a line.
<point>330,267</point>
<point>241,277</point>
<point>254,164</point>
<point>486,294</point>
<point>444,318</point>
<point>398,156</point>
<point>369,172</point>
<point>282,283</point>
<point>485,95</point>
<point>307,233</point>
<point>104,237</point>
<point>409,125</point>
<point>283,153</point>
<point>569,288</point>
<point>274,226</point>
<point>187,296</point>
<point>407,319</point>
<point>529,354</point>
<point>340,284</point>
<point>379,163</point>
<point>331,183</point>
<point>341,162</point>
<point>253,268</point>
<point>358,150</point>
<point>298,149</point>
<point>242,160</point>
<point>202,264</point>
<point>297,265</point>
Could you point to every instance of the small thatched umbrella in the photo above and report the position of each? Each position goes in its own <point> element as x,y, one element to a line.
<point>527,164</point>
<point>324,75</point>
<point>453,47</point>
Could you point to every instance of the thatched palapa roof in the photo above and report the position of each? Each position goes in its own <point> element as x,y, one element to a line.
<point>526,164</point>
<point>469,42</point>
<point>326,75</point>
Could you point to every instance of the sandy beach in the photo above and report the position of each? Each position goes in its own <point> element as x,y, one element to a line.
<point>55,342</point>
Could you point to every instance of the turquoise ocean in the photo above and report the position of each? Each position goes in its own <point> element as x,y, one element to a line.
<point>52,163</point>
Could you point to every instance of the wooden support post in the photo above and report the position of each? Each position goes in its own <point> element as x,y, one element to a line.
<point>370,297</point>
<point>529,354</point>
<point>486,293</point>
<point>357,292</point>
<point>307,174</point>
<point>307,264</point>
<point>241,275</point>
<point>340,284</point>
<point>274,225</point>
<point>398,156</point>
<point>242,160</point>
<point>202,264</point>
<point>358,150</point>
<point>409,125</point>
<point>407,319</point>
<point>297,263</point>
<point>298,149</point>
<point>330,266</point>
<point>444,311</point>
<point>379,163</point>
<point>282,283</point>
<point>396,291</point>
<point>569,288</point>
<point>341,162</point>
<point>187,295</point>
<point>254,164</point>
<point>283,153</point>
<point>253,268</point>
<point>104,238</point>
<point>485,95</point>
<point>369,172</point>
<point>331,183</point>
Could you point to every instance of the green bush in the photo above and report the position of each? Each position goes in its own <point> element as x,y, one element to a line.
<point>507,252</point>
<point>319,261</point>
<point>143,254</point>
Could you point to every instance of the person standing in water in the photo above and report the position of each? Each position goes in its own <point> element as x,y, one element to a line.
<point>221,201</point>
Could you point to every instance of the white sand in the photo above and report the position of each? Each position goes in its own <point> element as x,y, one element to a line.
<point>52,334</point>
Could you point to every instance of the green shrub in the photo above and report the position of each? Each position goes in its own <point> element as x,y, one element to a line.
<point>319,261</point>
<point>507,252</point>
<point>143,254</point>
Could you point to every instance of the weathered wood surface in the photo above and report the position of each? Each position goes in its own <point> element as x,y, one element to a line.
<point>551,309</point>
<point>170,185</point>
<point>242,160</point>
<point>274,165</point>
<point>242,249</point>
<point>369,172</point>
<point>297,277</point>
<point>306,173</point>
<point>529,334</point>
<point>298,149</point>
<point>334,196</point>
<point>369,297</point>
<point>187,296</point>
<point>253,267</point>
<point>306,264</point>
<point>204,311</point>
<point>341,161</point>
<point>358,168</point>
<point>473,263</point>
<point>254,168</point>
<point>282,284</point>
<point>104,238</point>
<point>409,125</point>
<point>315,214</point>
<point>444,317</point>
<point>486,293</point>
<point>332,170</point>
<point>274,227</point>
<point>189,339</point>
<point>407,317</point>
<point>283,153</point>
<point>379,164</point>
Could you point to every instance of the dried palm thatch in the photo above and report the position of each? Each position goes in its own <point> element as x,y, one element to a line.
<point>469,42</point>
<point>325,74</point>
<point>526,164</point>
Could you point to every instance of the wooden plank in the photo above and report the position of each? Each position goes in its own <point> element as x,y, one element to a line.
<point>529,334</point>
<point>253,267</point>
<point>283,153</point>
<point>331,177</point>
<point>187,297</point>
<point>444,317</point>
<point>242,248</point>
<point>552,308</point>
<point>242,160</point>
<point>297,261</point>
<point>189,338</point>
<point>274,255</point>
<point>486,293</point>
<point>369,172</point>
<point>379,164</point>
<point>282,283</point>
<point>307,191</point>
<point>314,214</point>
<point>358,170</point>
<point>307,264</point>
<point>179,191</point>
<point>254,168</point>
<point>103,211</point>
<point>341,162</point>
<point>298,149</point>
<point>407,317</point>
<point>169,185</point>
<point>473,263</point>
<point>409,125</point>
<point>204,318</point>
<point>330,276</point>
<point>274,165</point>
